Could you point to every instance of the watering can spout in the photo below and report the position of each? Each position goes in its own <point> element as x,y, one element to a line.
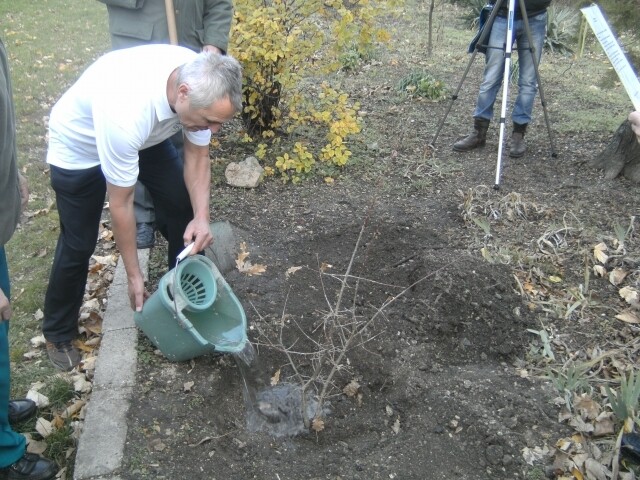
<point>193,312</point>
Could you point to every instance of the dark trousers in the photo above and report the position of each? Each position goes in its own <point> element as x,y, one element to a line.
<point>80,197</point>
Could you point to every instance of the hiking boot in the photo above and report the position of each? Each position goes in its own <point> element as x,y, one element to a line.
<point>30,467</point>
<point>517,146</point>
<point>475,139</point>
<point>21,409</point>
<point>64,355</point>
<point>145,235</point>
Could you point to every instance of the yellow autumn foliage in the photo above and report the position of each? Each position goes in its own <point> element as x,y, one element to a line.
<point>294,119</point>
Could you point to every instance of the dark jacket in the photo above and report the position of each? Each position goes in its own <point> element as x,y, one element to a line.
<point>9,187</point>
<point>198,22</point>
<point>533,7</point>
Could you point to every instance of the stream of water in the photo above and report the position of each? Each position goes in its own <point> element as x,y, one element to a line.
<point>274,409</point>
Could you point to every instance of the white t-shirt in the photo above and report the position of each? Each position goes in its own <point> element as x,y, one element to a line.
<point>118,107</point>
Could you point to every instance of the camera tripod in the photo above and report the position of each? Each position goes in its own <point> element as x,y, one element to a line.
<point>508,45</point>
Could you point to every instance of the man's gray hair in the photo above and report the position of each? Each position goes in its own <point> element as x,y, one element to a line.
<point>212,77</point>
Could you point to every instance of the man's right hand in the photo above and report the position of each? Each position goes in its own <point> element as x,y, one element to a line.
<point>137,293</point>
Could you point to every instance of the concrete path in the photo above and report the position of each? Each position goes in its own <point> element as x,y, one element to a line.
<point>101,444</point>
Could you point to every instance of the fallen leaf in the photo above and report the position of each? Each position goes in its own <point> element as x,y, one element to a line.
<point>36,446</point>
<point>534,455</point>
<point>291,271</point>
<point>587,407</point>
<point>72,410</point>
<point>40,400</point>
<point>276,378</point>
<point>396,426</point>
<point>31,354</point>
<point>595,470</point>
<point>630,295</point>
<point>44,427</point>
<point>80,384</point>
<point>317,424</point>
<point>580,425</point>
<point>604,426</point>
<point>89,363</point>
<point>598,253</point>
<point>245,266</point>
<point>599,271</point>
<point>351,389</point>
<point>577,474</point>
<point>628,317</point>
<point>325,266</point>
<point>617,275</point>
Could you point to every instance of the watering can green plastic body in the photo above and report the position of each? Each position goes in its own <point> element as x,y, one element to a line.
<point>193,312</point>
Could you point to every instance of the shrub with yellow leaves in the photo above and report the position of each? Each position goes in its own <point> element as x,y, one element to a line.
<point>284,47</point>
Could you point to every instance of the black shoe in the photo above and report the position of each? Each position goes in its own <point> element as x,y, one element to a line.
<point>64,355</point>
<point>21,409</point>
<point>145,235</point>
<point>30,467</point>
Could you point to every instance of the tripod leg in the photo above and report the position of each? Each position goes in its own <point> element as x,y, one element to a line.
<point>505,87</point>
<point>534,59</point>
<point>486,30</point>
<point>453,98</point>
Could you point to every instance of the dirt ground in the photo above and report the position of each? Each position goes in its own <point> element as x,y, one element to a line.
<point>440,390</point>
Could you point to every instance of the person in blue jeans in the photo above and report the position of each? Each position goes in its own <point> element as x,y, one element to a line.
<point>494,74</point>
<point>15,462</point>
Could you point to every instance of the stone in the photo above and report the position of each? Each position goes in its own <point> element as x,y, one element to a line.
<point>245,174</point>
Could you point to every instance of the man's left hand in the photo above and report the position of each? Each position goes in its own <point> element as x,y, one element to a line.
<point>211,48</point>
<point>199,233</point>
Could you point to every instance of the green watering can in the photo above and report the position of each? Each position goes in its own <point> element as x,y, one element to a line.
<point>193,312</point>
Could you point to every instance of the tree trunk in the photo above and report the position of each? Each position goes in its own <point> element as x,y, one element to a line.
<point>621,156</point>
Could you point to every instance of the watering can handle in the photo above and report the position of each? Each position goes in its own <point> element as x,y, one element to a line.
<point>187,250</point>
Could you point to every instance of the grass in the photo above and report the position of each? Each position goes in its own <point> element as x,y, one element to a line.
<point>48,48</point>
<point>49,44</point>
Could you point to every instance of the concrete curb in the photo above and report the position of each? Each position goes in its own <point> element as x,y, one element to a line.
<point>101,444</point>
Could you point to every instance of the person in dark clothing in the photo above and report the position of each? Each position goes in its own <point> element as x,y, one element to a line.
<point>15,462</point>
<point>494,74</point>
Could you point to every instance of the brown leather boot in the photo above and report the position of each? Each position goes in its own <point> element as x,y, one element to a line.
<point>475,139</point>
<point>517,147</point>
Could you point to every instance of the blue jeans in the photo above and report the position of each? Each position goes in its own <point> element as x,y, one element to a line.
<point>494,68</point>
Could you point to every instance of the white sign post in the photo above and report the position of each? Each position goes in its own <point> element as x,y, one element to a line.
<point>616,56</point>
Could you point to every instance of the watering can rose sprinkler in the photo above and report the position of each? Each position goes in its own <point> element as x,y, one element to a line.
<point>193,312</point>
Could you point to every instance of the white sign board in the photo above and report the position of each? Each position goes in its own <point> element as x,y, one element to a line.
<point>616,56</point>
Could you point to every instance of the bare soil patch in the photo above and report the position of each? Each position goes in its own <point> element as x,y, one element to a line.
<point>442,390</point>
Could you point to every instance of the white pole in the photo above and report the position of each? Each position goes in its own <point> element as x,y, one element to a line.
<point>505,85</point>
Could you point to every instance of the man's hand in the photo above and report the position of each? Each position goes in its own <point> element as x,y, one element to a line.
<point>211,48</point>
<point>199,233</point>
<point>5,307</point>
<point>24,191</point>
<point>634,118</point>
<point>137,293</point>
